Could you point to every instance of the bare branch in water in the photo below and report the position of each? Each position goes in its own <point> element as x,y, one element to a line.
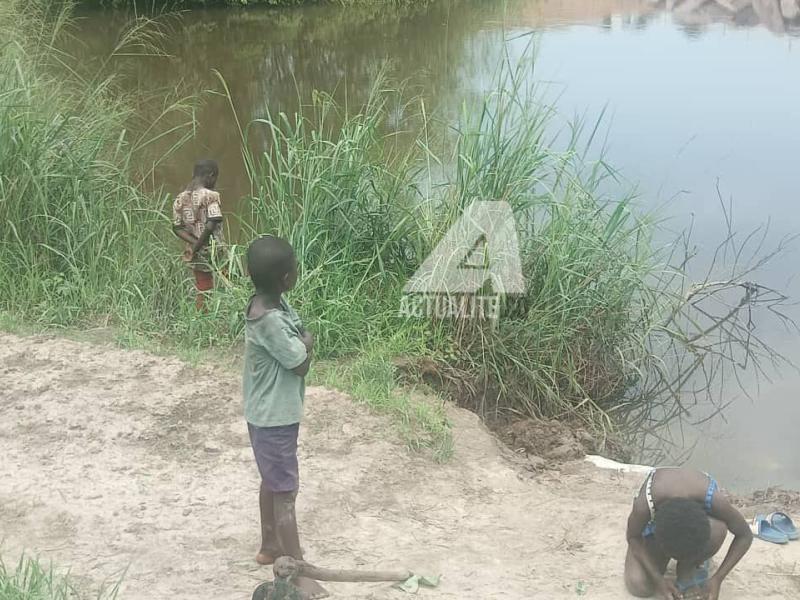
<point>708,339</point>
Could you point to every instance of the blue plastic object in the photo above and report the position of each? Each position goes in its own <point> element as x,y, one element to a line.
<point>764,530</point>
<point>783,523</point>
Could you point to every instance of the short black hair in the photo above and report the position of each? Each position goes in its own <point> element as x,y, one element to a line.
<point>205,168</point>
<point>682,528</point>
<point>269,259</point>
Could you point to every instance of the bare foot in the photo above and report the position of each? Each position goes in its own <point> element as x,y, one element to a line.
<point>265,557</point>
<point>310,587</point>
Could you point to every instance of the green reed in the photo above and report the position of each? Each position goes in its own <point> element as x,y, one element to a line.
<point>596,336</point>
<point>364,210</point>
<point>80,242</point>
<point>604,332</point>
<point>30,580</point>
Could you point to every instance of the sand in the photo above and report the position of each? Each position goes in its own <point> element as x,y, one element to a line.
<point>115,460</point>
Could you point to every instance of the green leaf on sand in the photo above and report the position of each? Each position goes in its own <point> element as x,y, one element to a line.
<point>413,583</point>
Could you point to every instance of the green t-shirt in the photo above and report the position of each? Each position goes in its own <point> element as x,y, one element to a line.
<point>273,393</point>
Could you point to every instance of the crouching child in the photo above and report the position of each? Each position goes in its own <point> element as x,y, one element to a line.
<point>680,514</point>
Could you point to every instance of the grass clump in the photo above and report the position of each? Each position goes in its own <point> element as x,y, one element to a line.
<point>80,240</point>
<point>83,246</point>
<point>604,332</point>
<point>364,211</point>
<point>32,581</point>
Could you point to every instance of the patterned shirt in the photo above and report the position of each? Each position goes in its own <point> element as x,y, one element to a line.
<point>191,211</point>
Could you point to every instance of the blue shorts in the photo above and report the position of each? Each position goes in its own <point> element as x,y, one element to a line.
<point>275,449</point>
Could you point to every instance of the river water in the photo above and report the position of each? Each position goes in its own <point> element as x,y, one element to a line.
<point>699,97</point>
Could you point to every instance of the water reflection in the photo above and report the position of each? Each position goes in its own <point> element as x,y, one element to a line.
<point>779,16</point>
<point>273,59</point>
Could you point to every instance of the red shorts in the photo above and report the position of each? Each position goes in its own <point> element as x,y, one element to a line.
<point>204,281</point>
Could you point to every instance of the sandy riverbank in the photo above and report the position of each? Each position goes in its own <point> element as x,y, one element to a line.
<point>115,459</point>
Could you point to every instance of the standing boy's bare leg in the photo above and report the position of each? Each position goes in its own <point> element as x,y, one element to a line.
<point>270,545</point>
<point>286,525</point>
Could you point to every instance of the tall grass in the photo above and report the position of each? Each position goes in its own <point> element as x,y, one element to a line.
<point>32,581</point>
<point>345,198</point>
<point>81,243</point>
<point>604,333</point>
<point>364,212</point>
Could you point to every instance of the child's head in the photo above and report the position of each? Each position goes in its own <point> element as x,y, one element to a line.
<point>682,528</point>
<point>205,173</point>
<point>272,265</point>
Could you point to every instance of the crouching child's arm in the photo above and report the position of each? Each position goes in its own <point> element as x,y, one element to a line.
<point>723,510</point>
<point>637,520</point>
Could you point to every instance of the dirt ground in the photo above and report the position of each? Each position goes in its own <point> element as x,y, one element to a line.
<point>113,460</point>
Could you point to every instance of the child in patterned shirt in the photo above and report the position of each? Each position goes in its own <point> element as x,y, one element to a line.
<point>197,220</point>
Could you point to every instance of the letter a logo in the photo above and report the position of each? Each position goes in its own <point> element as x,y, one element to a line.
<point>482,245</point>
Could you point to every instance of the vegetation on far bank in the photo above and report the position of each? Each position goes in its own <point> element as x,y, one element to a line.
<point>608,331</point>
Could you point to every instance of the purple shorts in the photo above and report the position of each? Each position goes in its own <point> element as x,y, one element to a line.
<point>275,449</point>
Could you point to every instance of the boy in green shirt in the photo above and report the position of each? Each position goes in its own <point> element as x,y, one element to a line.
<point>277,358</point>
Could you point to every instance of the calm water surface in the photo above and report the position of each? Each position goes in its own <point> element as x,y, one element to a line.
<point>699,95</point>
